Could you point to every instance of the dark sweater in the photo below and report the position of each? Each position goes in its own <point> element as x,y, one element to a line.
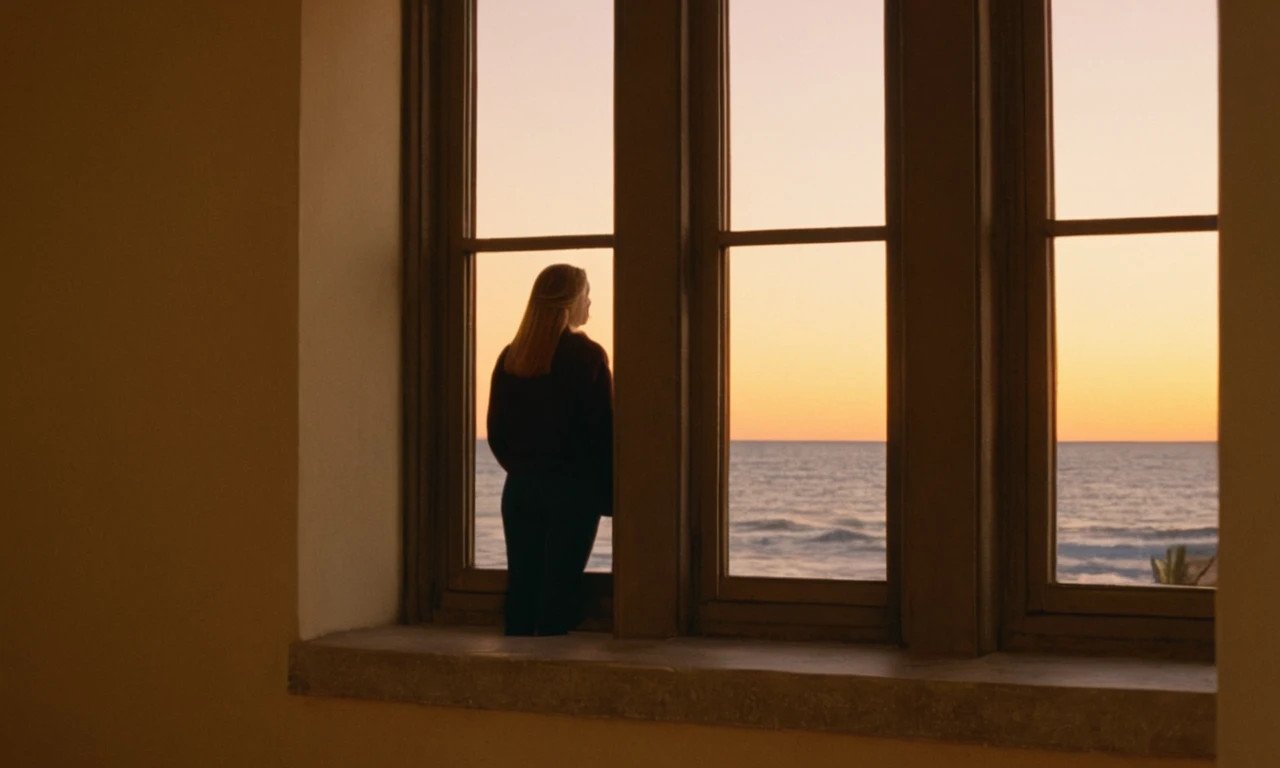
<point>559,424</point>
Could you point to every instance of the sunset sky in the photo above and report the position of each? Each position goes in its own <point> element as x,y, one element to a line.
<point>1135,135</point>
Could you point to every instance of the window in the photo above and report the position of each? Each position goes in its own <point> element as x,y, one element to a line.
<point>807,411</point>
<point>807,323</point>
<point>525,157</point>
<point>1120,279</point>
<point>502,280</point>
<point>792,471</point>
<point>887,288</point>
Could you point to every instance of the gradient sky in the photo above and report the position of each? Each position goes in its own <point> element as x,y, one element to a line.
<point>1135,135</point>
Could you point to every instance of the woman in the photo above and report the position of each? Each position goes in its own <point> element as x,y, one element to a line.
<point>551,428</point>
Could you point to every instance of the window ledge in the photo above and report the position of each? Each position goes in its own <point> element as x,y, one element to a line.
<point>1127,706</point>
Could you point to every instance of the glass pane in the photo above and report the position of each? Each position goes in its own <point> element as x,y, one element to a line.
<point>806,113</point>
<point>503,281</point>
<point>1135,108</point>
<point>1137,352</point>
<point>807,415</point>
<point>544,117</point>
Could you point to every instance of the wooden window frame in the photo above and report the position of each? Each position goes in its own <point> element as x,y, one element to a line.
<point>1042,614</point>
<point>941,594</point>
<point>753,605</point>
<point>440,278</point>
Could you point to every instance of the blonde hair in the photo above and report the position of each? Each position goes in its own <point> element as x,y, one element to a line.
<point>556,294</point>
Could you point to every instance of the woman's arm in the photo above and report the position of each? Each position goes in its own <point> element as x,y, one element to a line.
<point>495,422</point>
<point>599,413</point>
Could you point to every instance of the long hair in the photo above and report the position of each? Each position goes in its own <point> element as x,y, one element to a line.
<point>555,295</point>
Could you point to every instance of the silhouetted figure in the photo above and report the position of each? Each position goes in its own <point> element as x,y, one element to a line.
<point>551,428</point>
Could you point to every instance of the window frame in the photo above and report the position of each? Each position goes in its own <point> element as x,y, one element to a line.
<point>658,131</point>
<point>964,292</point>
<point>440,499</point>
<point>1043,614</point>
<point>752,605</point>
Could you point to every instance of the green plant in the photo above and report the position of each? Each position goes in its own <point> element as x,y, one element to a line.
<point>1175,570</point>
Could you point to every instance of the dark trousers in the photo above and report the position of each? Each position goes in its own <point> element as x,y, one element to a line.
<point>550,527</point>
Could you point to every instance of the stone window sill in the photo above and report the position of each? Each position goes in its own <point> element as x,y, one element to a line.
<point>1126,706</point>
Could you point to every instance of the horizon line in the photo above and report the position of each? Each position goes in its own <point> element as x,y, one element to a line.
<point>1060,442</point>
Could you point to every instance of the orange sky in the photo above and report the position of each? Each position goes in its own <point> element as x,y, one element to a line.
<point>1135,135</point>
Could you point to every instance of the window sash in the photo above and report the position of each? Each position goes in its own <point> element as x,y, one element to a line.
<point>756,604</point>
<point>1042,613</point>
<point>443,261</point>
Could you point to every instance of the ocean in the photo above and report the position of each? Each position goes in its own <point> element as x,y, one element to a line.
<point>817,509</point>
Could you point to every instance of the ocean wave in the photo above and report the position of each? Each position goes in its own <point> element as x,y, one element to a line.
<point>858,522</point>
<point>1120,552</point>
<point>1138,533</point>
<point>769,524</point>
<point>843,535</point>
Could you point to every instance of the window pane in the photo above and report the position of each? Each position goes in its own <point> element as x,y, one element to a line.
<point>807,388</point>
<point>503,281</point>
<point>806,113</point>
<point>1137,357</point>
<point>544,117</point>
<point>1135,108</point>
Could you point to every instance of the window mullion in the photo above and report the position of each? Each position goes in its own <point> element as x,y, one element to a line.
<point>945,601</point>
<point>651,531</point>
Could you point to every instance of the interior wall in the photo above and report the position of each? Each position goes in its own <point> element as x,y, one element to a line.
<point>1248,622</point>
<point>349,313</point>
<point>149,463</point>
<point>148,452</point>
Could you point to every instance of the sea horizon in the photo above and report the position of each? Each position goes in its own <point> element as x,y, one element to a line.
<point>872,442</point>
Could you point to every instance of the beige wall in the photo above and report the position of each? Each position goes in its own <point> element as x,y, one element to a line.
<point>1248,610</point>
<point>150,460</point>
<point>349,312</point>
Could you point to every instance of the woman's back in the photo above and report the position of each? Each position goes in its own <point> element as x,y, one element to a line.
<point>557,422</point>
